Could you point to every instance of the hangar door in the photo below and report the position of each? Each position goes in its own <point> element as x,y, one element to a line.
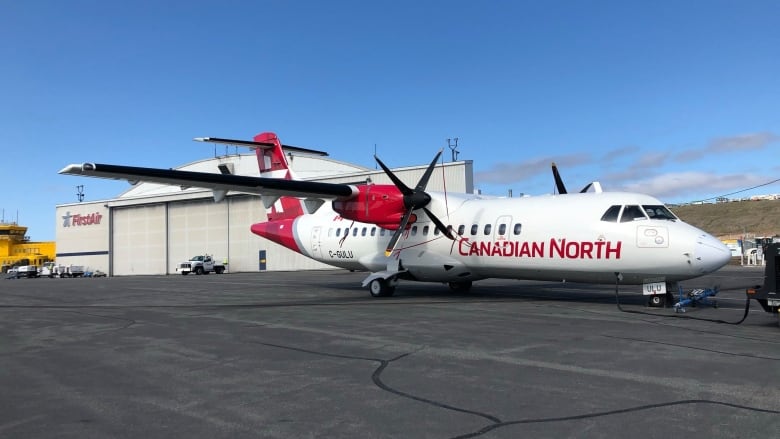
<point>138,241</point>
<point>197,227</point>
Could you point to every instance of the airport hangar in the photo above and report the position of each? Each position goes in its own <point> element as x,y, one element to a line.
<point>150,228</point>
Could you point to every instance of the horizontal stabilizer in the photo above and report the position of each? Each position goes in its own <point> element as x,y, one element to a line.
<point>258,145</point>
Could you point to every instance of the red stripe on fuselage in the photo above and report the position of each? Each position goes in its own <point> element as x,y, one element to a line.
<point>279,231</point>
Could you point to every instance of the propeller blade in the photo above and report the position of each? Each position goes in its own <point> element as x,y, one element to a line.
<point>401,228</point>
<point>406,190</point>
<point>558,181</point>
<point>439,225</point>
<point>427,176</point>
<point>413,199</point>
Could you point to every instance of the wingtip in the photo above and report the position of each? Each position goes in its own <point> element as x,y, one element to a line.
<point>77,168</point>
<point>67,169</point>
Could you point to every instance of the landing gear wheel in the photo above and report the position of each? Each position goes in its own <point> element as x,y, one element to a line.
<point>656,301</point>
<point>460,286</point>
<point>380,288</point>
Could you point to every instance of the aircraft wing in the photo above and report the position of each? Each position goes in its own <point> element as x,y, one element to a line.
<point>274,187</point>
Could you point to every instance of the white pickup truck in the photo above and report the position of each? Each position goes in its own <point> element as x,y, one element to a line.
<point>201,264</point>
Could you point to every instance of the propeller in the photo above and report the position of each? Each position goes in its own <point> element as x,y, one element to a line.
<point>414,199</point>
<point>559,181</point>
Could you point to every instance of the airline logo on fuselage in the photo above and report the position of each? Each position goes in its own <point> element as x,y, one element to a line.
<point>552,249</point>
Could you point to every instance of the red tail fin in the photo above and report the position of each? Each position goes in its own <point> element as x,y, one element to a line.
<point>273,164</point>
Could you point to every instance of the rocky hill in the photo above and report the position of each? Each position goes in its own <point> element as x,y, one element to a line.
<point>733,219</point>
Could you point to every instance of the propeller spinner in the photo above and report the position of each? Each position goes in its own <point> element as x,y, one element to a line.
<point>414,199</point>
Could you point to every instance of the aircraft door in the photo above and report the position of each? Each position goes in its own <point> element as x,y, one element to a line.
<point>501,228</point>
<point>316,249</point>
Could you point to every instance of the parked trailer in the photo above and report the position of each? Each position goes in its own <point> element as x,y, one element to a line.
<point>52,269</point>
<point>767,295</point>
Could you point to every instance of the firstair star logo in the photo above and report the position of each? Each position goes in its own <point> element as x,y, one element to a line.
<point>66,219</point>
<point>78,219</point>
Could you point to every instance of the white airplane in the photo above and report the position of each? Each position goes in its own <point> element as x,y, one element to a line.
<point>396,232</point>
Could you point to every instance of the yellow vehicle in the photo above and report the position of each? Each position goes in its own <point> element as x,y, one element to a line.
<point>17,250</point>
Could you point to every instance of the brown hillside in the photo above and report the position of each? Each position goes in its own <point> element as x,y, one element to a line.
<point>732,219</point>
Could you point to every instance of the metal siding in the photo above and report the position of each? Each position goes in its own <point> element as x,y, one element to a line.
<point>197,227</point>
<point>139,240</point>
<point>81,242</point>
<point>244,245</point>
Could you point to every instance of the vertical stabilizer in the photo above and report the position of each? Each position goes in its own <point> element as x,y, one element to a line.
<point>271,160</point>
<point>273,164</point>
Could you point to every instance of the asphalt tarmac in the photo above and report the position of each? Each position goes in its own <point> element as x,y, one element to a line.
<point>312,355</point>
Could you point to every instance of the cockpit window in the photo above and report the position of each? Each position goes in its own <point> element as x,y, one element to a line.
<point>632,213</point>
<point>659,212</point>
<point>611,214</point>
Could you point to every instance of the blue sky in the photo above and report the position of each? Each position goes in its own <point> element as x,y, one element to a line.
<point>678,99</point>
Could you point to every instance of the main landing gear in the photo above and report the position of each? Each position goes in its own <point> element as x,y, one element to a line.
<point>382,287</point>
<point>460,287</point>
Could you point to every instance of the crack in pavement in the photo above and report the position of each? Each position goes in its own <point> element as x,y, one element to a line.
<point>496,421</point>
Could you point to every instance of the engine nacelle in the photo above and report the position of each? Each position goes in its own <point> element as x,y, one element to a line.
<point>380,204</point>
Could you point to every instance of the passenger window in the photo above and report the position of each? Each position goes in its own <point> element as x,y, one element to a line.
<point>488,228</point>
<point>502,229</point>
<point>461,229</point>
<point>338,233</point>
<point>373,231</point>
<point>363,233</point>
<point>436,231</point>
<point>518,228</point>
<point>381,232</point>
<point>474,229</point>
<point>354,231</point>
<point>414,230</point>
<point>611,215</point>
<point>425,231</point>
<point>632,213</point>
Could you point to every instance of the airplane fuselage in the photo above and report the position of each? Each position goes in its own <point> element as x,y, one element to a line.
<point>571,237</point>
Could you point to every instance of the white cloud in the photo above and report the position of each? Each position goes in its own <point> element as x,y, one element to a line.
<point>744,142</point>
<point>693,185</point>
<point>503,173</point>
